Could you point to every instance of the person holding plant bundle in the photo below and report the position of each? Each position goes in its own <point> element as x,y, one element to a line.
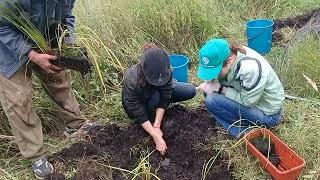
<point>15,77</point>
<point>149,88</point>
<point>241,88</point>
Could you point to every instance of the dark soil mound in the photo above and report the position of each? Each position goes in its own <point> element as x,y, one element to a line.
<point>295,22</point>
<point>187,133</point>
<point>56,176</point>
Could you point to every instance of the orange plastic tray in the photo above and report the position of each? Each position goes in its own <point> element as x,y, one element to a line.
<point>290,165</point>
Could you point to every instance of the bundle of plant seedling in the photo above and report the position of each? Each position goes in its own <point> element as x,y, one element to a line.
<point>69,56</point>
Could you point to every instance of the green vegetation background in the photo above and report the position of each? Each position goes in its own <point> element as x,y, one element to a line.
<point>116,30</point>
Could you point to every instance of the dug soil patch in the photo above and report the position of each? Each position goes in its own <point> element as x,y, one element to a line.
<point>188,134</point>
<point>294,22</point>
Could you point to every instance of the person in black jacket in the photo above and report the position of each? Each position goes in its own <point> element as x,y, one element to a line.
<point>148,88</point>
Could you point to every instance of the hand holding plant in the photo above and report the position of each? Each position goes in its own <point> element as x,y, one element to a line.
<point>70,57</point>
<point>43,60</point>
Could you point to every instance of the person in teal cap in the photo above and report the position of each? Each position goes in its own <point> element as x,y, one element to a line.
<point>241,88</point>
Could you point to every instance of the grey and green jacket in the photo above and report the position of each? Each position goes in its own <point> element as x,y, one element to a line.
<point>14,45</point>
<point>135,96</point>
<point>253,82</point>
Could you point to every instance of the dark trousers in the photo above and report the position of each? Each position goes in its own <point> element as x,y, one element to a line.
<point>181,92</point>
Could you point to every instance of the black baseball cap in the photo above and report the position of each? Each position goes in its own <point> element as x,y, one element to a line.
<point>156,66</point>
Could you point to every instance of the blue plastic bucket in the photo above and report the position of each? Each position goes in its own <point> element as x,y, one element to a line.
<point>259,35</point>
<point>179,64</point>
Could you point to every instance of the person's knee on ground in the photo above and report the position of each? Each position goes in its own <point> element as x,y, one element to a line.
<point>213,102</point>
<point>183,92</point>
<point>190,91</point>
<point>217,106</point>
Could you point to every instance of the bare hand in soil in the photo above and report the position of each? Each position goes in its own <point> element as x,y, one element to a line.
<point>158,131</point>
<point>161,145</point>
<point>43,60</point>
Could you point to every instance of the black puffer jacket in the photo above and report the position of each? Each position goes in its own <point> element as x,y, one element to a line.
<point>135,97</point>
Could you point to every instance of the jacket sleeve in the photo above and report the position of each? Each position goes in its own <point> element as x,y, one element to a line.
<point>133,104</point>
<point>252,85</point>
<point>14,41</point>
<point>165,94</point>
<point>69,19</point>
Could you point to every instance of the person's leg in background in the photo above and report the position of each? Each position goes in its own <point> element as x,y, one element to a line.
<point>183,92</point>
<point>58,88</point>
<point>16,101</point>
<point>234,117</point>
<point>152,104</point>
